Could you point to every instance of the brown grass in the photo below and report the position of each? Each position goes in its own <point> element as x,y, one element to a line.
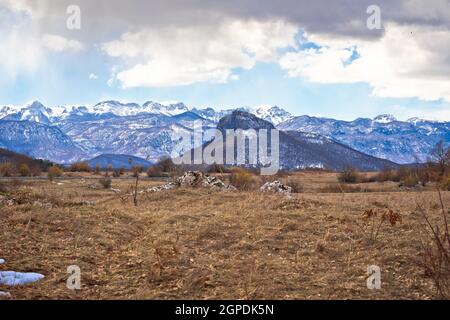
<point>195,243</point>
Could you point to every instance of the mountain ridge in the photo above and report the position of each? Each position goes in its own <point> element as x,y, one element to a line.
<point>142,130</point>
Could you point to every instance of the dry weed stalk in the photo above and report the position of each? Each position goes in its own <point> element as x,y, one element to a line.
<point>374,219</point>
<point>436,251</point>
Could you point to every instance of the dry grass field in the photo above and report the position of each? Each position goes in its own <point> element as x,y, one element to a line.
<point>202,244</point>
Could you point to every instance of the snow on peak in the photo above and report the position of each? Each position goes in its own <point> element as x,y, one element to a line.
<point>273,114</point>
<point>165,108</point>
<point>384,118</point>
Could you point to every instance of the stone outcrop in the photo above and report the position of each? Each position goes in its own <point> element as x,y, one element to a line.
<point>194,179</point>
<point>276,186</point>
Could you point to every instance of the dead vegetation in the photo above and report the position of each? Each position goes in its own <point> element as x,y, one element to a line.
<point>201,243</point>
<point>436,250</point>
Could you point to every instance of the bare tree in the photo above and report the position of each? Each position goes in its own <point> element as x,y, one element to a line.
<point>441,156</point>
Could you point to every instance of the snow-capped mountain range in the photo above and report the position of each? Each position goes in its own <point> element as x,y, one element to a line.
<point>70,133</point>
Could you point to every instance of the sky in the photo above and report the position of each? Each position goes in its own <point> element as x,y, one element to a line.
<point>323,58</point>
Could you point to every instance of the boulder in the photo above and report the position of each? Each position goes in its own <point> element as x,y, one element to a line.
<point>276,186</point>
<point>191,179</point>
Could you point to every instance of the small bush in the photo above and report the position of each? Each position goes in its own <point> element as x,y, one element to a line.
<point>117,173</point>
<point>373,219</point>
<point>24,170</point>
<point>154,172</point>
<point>217,168</point>
<point>137,170</point>
<point>446,183</point>
<point>409,181</point>
<point>105,182</point>
<point>54,172</point>
<point>6,169</point>
<point>165,164</point>
<point>242,179</point>
<point>97,169</point>
<point>350,175</point>
<point>80,167</point>
<point>35,171</point>
<point>295,184</point>
<point>386,174</point>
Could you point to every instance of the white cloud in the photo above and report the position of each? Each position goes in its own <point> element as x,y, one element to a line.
<point>20,48</point>
<point>180,56</point>
<point>59,44</point>
<point>408,61</point>
<point>93,76</point>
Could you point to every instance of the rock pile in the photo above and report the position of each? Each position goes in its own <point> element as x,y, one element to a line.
<point>193,179</point>
<point>276,186</point>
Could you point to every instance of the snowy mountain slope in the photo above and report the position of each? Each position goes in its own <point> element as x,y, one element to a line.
<point>383,137</point>
<point>273,114</point>
<point>39,141</point>
<point>306,150</point>
<point>144,135</point>
<point>111,126</point>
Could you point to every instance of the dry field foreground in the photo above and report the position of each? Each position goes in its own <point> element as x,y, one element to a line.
<point>199,244</point>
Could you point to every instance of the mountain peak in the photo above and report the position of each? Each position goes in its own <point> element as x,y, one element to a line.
<point>243,120</point>
<point>273,114</point>
<point>35,104</point>
<point>384,118</point>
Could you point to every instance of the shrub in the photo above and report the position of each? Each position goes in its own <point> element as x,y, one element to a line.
<point>24,170</point>
<point>36,172</point>
<point>410,181</point>
<point>117,173</point>
<point>6,169</point>
<point>137,170</point>
<point>217,168</point>
<point>80,167</point>
<point>241,179</point>
<point>373,219</point>
<point>105,182</point>
<point>350,175</point>
<point>54,172</point>
<point>165,164</point>
<point>295,184</point>
<point>154,171</point>
<point>446,183</point>
<point>386,174</point>
<point>97,169</point>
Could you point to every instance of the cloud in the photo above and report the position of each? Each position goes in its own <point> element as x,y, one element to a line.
<point>408,61</point>
<point>93,76</point>
<point>180,56</point>
<point>179,42</point>
<point>21,51</point>
<point>59,44</point>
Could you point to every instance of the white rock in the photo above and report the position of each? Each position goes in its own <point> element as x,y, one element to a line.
<point>276,186</point>
<point>2,261</point>
<point>5,295</point>
<point>13,278</point>
<point>193,179</point>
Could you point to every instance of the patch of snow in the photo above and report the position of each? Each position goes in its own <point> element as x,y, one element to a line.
<point>2,261</point>
<point>4,294</point>
<point>384,118</point>
<point>13,278</point>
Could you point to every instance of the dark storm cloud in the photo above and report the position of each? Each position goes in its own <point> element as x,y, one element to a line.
<point>339,17</point>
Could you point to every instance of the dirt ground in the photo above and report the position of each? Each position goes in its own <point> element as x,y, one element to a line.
<point>202,244</point>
